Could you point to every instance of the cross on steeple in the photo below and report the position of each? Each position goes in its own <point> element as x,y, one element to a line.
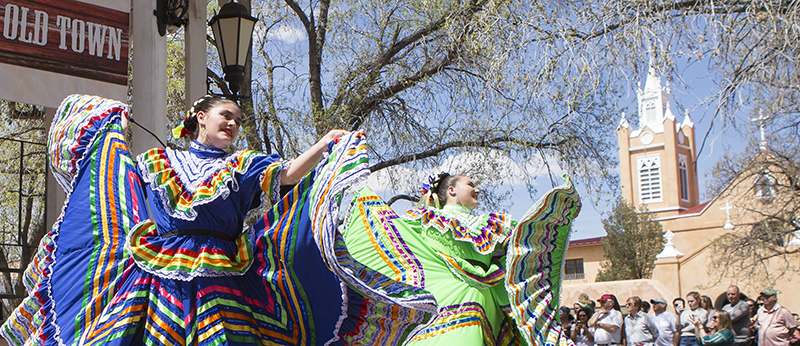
<point>762,124</point>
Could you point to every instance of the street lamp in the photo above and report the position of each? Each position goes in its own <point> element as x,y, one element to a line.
<point>233,33</point>
<point>170,15</point>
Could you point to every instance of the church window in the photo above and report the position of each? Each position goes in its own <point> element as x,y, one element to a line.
<point>649,179</point>
<point>573,269</point>
<point>683,173</point>
<point>650,115</point>
<point>765,187</point>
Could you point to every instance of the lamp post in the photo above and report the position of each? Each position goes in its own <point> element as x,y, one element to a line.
<point>233,33</point>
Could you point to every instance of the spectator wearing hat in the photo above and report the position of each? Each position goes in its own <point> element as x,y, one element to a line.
<point>775,323</point>
<point>639,327</point>
<point>607,322</point>
<point>665,322</point>
<point>739,312</point>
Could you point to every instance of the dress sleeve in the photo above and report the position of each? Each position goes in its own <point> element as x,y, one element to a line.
<point>261,177</point>
<point>77,122</point>
<point>269,178</point>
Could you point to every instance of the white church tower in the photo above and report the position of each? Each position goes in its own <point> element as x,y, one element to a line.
<point>657,160</point>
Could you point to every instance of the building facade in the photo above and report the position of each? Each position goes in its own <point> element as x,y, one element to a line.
<point>658,171</point>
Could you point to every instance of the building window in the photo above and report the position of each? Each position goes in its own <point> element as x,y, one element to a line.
<point>765,187</point>
<point>650,115</point>
<point>649,179</point>
<point>573,269</point>
<point>683,172</point>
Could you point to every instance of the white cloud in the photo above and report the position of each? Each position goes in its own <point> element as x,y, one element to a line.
<point>286,34</point>
<point>494,163</point>
<point>502,166</point>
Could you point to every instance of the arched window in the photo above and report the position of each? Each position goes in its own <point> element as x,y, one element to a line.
<point>649,179</point>
<point>765,187</point>
<point>683,172</point>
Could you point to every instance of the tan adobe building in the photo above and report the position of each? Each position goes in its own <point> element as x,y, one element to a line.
<point>658,171</point>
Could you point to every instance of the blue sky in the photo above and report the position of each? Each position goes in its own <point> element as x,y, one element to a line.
<point>692,93</point>
<point>692,90</point>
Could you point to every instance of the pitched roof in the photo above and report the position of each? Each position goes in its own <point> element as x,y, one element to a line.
<point>696,209</point>
<point>586,242</point>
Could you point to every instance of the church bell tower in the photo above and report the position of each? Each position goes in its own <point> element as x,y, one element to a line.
<point>658,160</point>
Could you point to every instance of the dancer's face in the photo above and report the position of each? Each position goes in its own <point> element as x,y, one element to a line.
<point>220,125</point>
<point>464,193</point>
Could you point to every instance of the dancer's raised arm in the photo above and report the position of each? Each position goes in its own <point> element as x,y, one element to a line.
<point>303,164</point>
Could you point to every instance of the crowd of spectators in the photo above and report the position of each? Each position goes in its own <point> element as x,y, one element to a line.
<point>737,321</point>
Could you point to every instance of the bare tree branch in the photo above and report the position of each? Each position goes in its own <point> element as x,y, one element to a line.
<point>435,151</point>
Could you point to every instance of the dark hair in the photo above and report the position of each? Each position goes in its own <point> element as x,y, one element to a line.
<point>565,312</point>
<point>645,306</point>
<point>203,104</point>
<point>678,299</point>
<point>443,184</point>
<point>587,310</point>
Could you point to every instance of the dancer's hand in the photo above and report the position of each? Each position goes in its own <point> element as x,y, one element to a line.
<point>333,135</point>
<point>303,164</point>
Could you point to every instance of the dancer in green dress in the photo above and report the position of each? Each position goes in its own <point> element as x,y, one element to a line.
<point>496,281</point>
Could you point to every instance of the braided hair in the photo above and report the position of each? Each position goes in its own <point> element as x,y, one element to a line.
<point>189,124</point>
<point>203,104</point>
<point>435,191</point>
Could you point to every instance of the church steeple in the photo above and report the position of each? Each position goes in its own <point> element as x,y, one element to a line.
<point>654,105</point>
<point>657,160</point>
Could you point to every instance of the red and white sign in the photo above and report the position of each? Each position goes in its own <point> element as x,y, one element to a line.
<point>66,36</point>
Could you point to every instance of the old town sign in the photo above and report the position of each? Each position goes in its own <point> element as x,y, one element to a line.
<point>66,36</point>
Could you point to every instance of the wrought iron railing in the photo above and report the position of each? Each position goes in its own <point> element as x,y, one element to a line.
<point>574,276</point>
<point>22,213</point>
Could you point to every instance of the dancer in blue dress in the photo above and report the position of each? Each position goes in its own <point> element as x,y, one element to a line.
<point>154,252</point>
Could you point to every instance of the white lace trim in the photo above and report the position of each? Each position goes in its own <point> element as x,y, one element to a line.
<point>197,171</point>
<point>499,238</point>
<point>267,198</point>
<point>343,316</point>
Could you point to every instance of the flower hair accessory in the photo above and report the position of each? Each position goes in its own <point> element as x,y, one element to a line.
<point>181,130</point>
<point>429,187</point>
